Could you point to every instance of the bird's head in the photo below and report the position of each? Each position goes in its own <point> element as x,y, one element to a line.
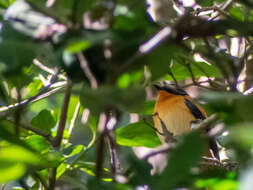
<point>171,90</point>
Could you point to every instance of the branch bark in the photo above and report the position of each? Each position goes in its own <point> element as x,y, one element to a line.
<point>63,117</point>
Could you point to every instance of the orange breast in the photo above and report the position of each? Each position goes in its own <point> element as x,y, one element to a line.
<point>173,111</point>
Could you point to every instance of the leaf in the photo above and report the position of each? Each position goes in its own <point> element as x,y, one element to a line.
<point>34,87</point>
<point>137,134</point>
<point>11,171</point>
<point>237,12</point>
<point>241,135</point>
<point>185,156</point>
<point>7,133</point>
<point>127,79</point>
<point>94,183</point>
<point>61,169</point>
<point>232,107</point>
<point>130,99</point>
<point>51,159</point>
<point>78,46</point>
<point>38,143</point>
<point>217,184</point>
<point>16,154</point>
<point>44,120</point>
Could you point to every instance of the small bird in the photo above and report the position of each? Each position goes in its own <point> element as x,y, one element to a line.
<point>175,109</point>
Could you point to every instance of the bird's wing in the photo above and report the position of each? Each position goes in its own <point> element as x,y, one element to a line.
<point>199,115</point>
<point>194,109</point>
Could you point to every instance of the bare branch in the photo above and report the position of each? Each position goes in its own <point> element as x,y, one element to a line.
<point>84,65</point>
<point>63,117</point>
<point>115,163</point>
<point>248,92</point>
<point>213,162</point>
<point>34,130</point>
<point>41,95</point>
<point>203,124</point>
<point>167,147</point>
<point>173,77</point>
<point>52,178</point>
<point>47,69</point>
<point>221,10</point>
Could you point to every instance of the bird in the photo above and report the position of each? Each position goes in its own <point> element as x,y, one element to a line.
<point>175,109</point>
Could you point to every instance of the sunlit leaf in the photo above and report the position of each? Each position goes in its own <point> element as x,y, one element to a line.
<point>13,153</point>
<point>44,120</point>
<point>38,143</point>
<point>11,170</point>
<point>137,134</point>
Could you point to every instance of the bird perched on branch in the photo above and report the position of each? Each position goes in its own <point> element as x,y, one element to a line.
<point>175,110</point>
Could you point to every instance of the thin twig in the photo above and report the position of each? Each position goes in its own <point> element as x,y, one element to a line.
<point>47,136</point>
<point>248,92</point>
<point>115,163</point>
<point>173,77</point>
<point>204,124</point>
<point>168,135</point>
<point>168,147</point>
<point>221,10</point>
<point>39,96</point>
<point>86,69</point>
<point>47,69</point>
<point>63,117</point>
<point>73,120</point>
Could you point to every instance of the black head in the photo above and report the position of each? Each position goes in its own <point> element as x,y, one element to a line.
<point>172,90</point>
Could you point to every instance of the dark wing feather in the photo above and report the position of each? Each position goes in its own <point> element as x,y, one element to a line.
<point>199,115</point>
<point>194,110</point>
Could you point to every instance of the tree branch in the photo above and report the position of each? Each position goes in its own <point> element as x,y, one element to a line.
<point>52,179</point>
<point>84,65</point>
<point>63,117</point>
<point>41,95</point>
<point>47,136</point>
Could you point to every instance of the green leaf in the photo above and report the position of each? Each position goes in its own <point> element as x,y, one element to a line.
<point>51,159</point>
<point>126,79</point>
<point>94,183</point>
<point>185,156</point>
<point>241,135</point>
<point>130,99</point>
<point>199,69</point>
<point>61,169</point>
<point>34,87</point>
<point>38,143</point>
<point>217,184</point>
<point>7,133</point>
<point>14,153</point>
<point>137,134</point>
<point>78,46</point>
<point>11,171</point>
<point>44,120</point>
<point>237,12</point>
<point>232,107</point>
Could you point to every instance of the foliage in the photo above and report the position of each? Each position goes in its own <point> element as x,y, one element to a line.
<point>76,92</point>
